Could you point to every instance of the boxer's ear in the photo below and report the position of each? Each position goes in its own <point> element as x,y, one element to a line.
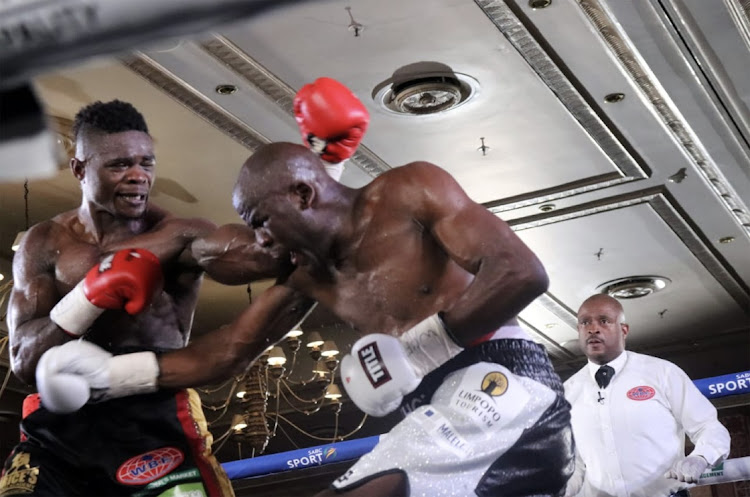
<point>78,168</point>
<point>304,195</point>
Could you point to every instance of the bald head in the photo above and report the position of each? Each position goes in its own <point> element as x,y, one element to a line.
<point>602,328</point>
<point>601,299</point>
<point>274,167</point>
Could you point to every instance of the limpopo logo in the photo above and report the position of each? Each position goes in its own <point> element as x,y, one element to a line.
<point>494,384</point>
<point>150,466</point>
<point>21,477</point>
<point>372,364</point>
<point>641,393</point>
<point>481,405</point>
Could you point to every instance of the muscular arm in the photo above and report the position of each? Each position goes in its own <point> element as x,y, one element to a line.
<point>230,255</point>
<point>31,332</point>
<point>508,275</point>
<point>231,348</point>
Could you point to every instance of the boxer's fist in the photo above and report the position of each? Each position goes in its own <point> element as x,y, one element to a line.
<point>382,369</point>
<point>331,119</point>
<point>126,280</point>
<point>68,375</point>
<point>378,374</point>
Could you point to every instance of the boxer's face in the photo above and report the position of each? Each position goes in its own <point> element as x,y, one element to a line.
<point>601,332</point>
<point>116,171</point>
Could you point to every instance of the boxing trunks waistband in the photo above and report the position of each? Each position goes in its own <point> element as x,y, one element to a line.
<point>522,357</point>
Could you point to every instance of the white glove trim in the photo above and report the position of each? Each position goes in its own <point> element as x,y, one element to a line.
<point>131,374</point>
<point>428,345</point>
<point>334,170</point>
<point>74,313</point>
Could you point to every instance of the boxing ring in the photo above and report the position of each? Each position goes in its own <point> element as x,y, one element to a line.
<point>737,469</point>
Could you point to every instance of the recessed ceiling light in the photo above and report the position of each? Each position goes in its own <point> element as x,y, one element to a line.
<point>226,89</point>
<point>633,287</point>
<point>2,276</point>
<point>539,4</point>
<point>424,88</point>
<point>613,98</point>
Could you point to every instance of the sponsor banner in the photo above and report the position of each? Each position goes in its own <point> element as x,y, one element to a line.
<point>302,458</point>
<point>722,386</point>
<point>737,469</point>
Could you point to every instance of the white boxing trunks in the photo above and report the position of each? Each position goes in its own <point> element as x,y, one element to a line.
<point>491,421</point>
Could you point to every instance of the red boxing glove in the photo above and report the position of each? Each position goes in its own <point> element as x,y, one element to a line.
<point>331,118</point>
<point>126,279</point>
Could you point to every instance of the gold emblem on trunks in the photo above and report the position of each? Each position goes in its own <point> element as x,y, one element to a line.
<point>494,384</point>
<point>21,477</point>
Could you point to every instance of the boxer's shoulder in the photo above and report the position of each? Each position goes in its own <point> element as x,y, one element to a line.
<point>408,182</point>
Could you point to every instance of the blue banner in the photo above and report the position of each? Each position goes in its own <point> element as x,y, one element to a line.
<point>721,386</point>
<point>301,458</point>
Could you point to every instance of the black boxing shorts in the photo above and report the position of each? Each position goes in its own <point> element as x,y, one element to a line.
<point>143,446</point>
<point>491,421</point>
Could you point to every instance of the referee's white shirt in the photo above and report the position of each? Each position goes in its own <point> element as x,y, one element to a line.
<point>629,434</point>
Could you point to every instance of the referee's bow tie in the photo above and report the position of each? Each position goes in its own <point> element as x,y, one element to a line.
<point>604,375</point>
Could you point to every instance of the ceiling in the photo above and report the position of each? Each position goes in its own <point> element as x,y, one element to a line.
<point>613,136</point>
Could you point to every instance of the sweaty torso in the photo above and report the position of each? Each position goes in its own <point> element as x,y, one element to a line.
<point>394,274</point>
<point>166,323</point>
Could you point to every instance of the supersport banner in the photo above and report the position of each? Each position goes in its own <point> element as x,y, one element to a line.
<point>301,458</point>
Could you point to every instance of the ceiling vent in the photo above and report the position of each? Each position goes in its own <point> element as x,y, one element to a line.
<point>424,88</point>
<point>633,287</point>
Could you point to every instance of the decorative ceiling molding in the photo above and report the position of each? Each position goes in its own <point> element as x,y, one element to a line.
<point>277,91</point>
<point>710,69</point>
<point>664,107</point>
<point>550,73</point>
<point>659,199</point>
<point>739,11</point>
<point>191,98</point>
<point>555,193</point>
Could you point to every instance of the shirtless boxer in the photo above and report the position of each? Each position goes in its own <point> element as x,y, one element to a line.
<point>433,282</point>
<point>125,275</point>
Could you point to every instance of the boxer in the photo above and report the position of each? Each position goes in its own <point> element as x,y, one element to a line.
<point>120,276</point>
<point>433,282</point>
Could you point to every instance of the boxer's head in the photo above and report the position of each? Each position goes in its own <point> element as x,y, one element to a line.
<point>114,159</point>
<point>278,193</point>
<point>602,328</point>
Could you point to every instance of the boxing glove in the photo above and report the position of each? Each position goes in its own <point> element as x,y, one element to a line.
<point>332,121</point>
<point>382,369</point>
<point>69,375</point>
<point>126,279</point>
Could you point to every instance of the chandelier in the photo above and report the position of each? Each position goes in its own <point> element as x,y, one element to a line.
<point>274,387</point>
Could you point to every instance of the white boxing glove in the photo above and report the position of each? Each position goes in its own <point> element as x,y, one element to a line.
<point>381,369</point>
<point>69,375</point>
